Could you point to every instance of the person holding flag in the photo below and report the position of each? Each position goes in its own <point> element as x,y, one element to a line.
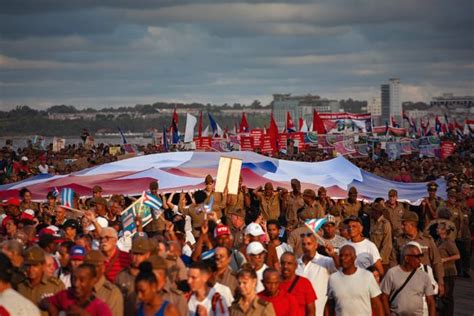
<point>157,205</point>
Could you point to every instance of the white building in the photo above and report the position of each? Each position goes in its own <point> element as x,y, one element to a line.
<point>390,100</point>
<point>300,106</point>
<point>374,107</point>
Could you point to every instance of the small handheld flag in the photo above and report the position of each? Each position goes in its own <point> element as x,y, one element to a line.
<point>315,224</point>
<point>152,201</point>
<point>67,197</point>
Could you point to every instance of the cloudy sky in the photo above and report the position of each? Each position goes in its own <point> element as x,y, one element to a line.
<point>120,52</point>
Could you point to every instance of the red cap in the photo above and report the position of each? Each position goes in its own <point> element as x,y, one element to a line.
<point>28,214</point>
<point>221,230</point>
<point>12,201</point>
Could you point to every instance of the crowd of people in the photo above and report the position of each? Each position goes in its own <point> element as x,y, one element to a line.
<point>250,254</point>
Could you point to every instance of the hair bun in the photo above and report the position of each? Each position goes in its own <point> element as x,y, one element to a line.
<point>146,267</point>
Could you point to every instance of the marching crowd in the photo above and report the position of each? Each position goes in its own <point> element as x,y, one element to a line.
<point>250,254</point>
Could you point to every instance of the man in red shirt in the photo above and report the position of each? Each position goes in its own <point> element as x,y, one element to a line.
<point>283,302</point>
<point>117,260</point>
<point>80,297</point>
<point>297,286</point>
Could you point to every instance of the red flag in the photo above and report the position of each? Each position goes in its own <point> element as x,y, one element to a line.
<point>300,123</point>
<point>244,125</point>
<point>273,132</point>
<point>200,125</point>
<point>290,126</point>
<point>318,124</point>
<point>174,118</point>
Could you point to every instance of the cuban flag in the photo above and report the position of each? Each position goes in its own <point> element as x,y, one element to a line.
<point>315,224</point>
<point>67,197</point>
<point>290,126</point>
<point>55,192</point>
<point>216,129</point>
<point>152,201</point>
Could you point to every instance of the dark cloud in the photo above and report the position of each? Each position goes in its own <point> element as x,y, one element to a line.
<point>96,52</point>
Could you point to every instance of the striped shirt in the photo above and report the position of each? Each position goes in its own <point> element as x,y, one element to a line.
<point>120,260</point>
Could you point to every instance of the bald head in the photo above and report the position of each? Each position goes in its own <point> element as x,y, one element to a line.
<point>347,257</point>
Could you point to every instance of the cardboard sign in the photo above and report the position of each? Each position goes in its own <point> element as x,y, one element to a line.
<point>115,150</point>
<point>58,144</point>
<point>228,175</point>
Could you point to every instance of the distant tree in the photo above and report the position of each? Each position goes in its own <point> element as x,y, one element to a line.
<point>62,109</point>
<point>256,104</point>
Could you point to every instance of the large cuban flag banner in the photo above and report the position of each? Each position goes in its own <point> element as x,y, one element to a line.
<point>178,171</point>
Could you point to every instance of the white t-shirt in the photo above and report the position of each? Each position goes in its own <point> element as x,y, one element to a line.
<point>317,271</point>
<point>366,252</point>
<point>43,169</point>
<point>260,286</point>
<point>282,248</point>
<point>15,304</point>
<point>225,292</point>
<point>221,307</point>
<point>352,293</point>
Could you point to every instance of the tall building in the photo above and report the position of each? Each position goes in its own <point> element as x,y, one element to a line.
<point>374,107</point>
<point>390,100</point>
<point>300,106</point>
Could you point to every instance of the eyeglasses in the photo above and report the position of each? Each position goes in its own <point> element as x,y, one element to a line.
<point>303,235</point>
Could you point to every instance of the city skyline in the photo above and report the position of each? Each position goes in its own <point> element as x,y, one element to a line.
<point>121,53</point>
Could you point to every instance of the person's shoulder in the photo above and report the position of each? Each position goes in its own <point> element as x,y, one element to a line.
<point>54,282</point>
<point>109,286</point>
<point>262,302</point>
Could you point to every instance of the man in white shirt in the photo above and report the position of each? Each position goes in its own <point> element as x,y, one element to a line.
<point>256,254</point>
<point>12,302</point>
<point>317,269</point>
<point>202,297</point>
<point>366,251</point>
<point>352,290</point>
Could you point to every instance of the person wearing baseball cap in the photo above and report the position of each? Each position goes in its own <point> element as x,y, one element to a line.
<point>254,232</point>
<point>11,302</point>
<point>256,255</point>
<point>104,289</point>
<point>430,203</point>
<point>330,234</point>
<point>13,208</point>
<point>224,239</point>
<point>366,251</point>
<point>350,206</point>
<point>237,220</point>
<point>311,207</point>
<point>70,228</point>
<point>381,233</point>
<point>430,252</point>
<point>37,285</point>
<point>269,201</point>
<point>394,211</point>
<point>125,280</point>
<point>293,203</point>
<point>77,255</point>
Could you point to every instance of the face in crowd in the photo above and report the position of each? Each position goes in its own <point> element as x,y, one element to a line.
<point>222,257</point>
<point>354,229</point>
<point>257,261</point>
<point>271,282</point>
<point>273,231</point>
<point>347,257</point>
<point>247,284</point>
<point>412,257</point>
<point>84,281</point>
<point>309,246</point>
<point>329,230</point>
<point>288,265</point>
<point>197,278</point>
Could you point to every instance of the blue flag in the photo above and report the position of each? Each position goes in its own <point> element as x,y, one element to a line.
<point>124,140</point>
<point>213,124</point>
<point>165,140</point>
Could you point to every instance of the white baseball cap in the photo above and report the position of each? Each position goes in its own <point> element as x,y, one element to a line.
<point>255,248</point>
<point>254,229</point>
<point>101,221</point>
<point>24,158</point>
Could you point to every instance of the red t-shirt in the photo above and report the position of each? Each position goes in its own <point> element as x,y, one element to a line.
<point>303,292</point>
<point>283,303</point>
<point>118,264</point>
<point>65,299</point>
